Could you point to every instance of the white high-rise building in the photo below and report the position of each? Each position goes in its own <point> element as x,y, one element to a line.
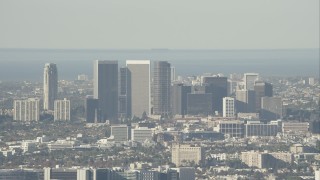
<point>26,110</point>
<point>228,107</point>
<point>62,110</point>
<point>140,89</point>
<point>50,85</point>
<point>317,174</point>
<point>249,80</point>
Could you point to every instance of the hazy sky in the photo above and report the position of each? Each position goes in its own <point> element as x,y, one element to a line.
<point>179,24</point>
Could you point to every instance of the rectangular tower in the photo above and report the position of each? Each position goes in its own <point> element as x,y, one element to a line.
<point>62,110</point>
<point>106,88</point>
<point>228,107</point>
<point>26,110</point>
<point>124,94</point>
<point>161,88</point>
<point>249,80</point>
<point>262,89</point>
<point>139,72</point>
<point>245,101</point>
<point>179,98</point>
<point>92,110</point>
<point>218,87</point>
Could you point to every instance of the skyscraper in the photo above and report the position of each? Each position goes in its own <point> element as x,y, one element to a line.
<point>50,85</point>
<point>139,73</point>
<point>124,93</point>
<point>106,88</point>
<point>179,98</point>
<point>218,87</point>
<point>249,80</point>
<point>262,89</point>
<point>161,88</point>
<point>245,101</point>
<point>92,110</point>
<point>228,107</point>
<point>271,108</point>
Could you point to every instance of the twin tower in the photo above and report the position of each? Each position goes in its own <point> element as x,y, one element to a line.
<point>126,92</point>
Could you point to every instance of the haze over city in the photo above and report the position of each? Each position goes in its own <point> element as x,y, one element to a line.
<point>159,90</point>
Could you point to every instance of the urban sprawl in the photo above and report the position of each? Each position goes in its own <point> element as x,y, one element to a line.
<point>144,122</point>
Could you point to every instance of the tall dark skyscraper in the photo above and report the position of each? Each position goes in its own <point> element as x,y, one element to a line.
<point>92,110</point>
<point>161,88</point>
<point>50,85</point>
<point>262,89</point>
<point>179,94</point>
<point>218,87</point>
<point>124,93</point>
<point>245,101</point>
<point>106,88</point>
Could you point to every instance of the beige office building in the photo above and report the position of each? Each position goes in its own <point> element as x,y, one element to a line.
<point>139,74</point>
<point>183,153</point>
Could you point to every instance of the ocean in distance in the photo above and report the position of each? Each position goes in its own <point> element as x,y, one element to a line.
<point>28,64</point>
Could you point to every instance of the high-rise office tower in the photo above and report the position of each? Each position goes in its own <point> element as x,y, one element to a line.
<point>271,108</point>
<point>199,104</point>
<point>26,110</point>
<point>62,110</point>
<point>124,94</point>
<point>139,73</point>
<point>228,107</point>
<point>161,88</point>
<point>262,89</point>
<point>249,80</point>
<point>92,110</point>
<point>50,85</point>
<point>218,87</point>
<point>179,99</point>
<point>106,88</point>
<point>245,101</point>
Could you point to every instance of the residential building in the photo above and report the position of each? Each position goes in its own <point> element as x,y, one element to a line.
<point>26,110</point>
<point>62,110</point>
